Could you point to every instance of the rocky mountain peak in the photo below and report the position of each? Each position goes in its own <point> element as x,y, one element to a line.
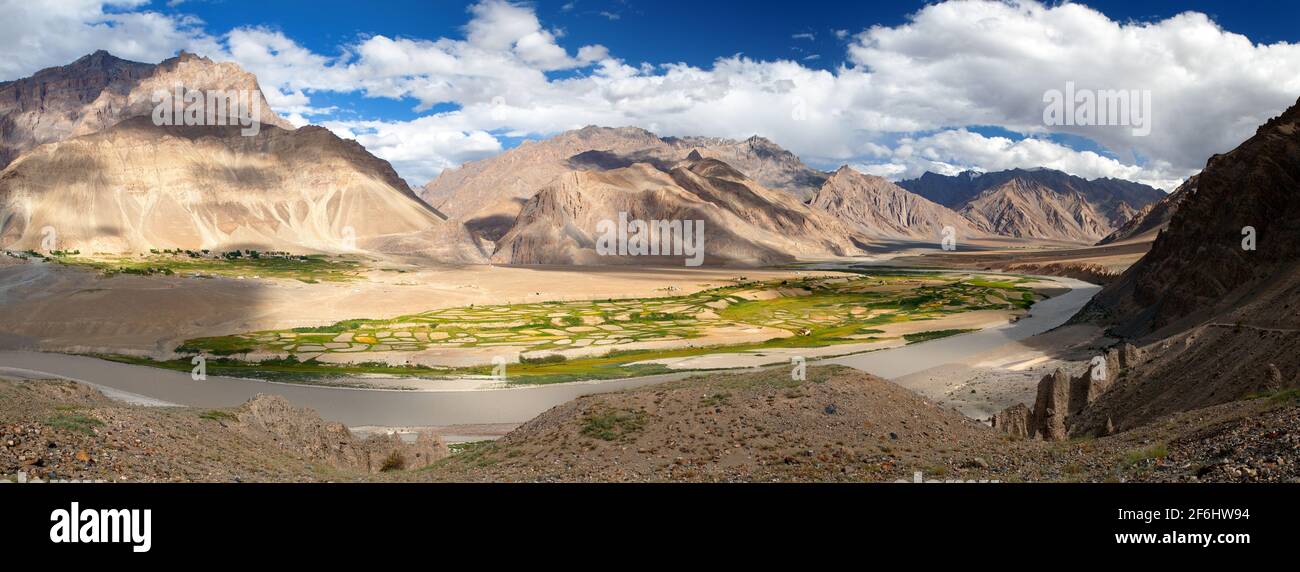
<point>880,208</point>
<point>100,90</point>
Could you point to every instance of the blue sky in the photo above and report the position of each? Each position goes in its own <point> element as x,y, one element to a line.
<point>691,31</point>
<point>890,87</point>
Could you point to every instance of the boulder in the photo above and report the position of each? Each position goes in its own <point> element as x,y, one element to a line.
<point>1272,379</point>
<point>1014,420</point>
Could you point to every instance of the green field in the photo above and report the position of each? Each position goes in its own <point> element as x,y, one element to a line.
<point>813,312</point>
<point>204,264</point>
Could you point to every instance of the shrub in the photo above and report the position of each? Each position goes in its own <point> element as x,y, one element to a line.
<point>394,462</point>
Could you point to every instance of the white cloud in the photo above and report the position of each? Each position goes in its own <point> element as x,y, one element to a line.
<point>952,151</point>
<point>989,63</point>
<point>421,148</point>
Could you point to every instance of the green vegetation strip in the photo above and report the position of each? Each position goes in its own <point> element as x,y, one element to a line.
<point>205,264</point>
<point>814,312</point>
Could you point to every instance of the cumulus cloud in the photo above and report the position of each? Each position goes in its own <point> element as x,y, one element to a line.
<point>952,151</point>
<point>990,63</point>
<point>419,149</point>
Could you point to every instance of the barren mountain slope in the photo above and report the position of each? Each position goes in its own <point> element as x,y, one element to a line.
<point>744,223</point>
<point>1220,321</point>
<point>99,90</point>
<point>489,193</point>
<point>136,187</point>
<point>1152,219</point>
<point>759,159</point>
<point>1027,209</point>
<point>881,209</point>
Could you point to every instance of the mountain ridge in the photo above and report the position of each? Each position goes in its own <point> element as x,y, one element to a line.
<point>1038,203</point>
<point>99,90</point>
<point>487,194</point>
<point>882,209</point>
<point>745,224</point>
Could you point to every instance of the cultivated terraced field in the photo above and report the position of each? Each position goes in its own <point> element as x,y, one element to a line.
<point>594,339</point>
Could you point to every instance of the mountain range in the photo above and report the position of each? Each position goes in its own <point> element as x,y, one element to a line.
<point>1038,203</point>
<point>745,222</point>
<point>1035,204</point>
<point>488,194</point>
<point>80,156</point>
<point>881,209</point>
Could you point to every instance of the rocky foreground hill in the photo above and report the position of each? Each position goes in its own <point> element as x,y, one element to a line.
<point>838,425</point>
<point>845,426</point>
<point>60,430</point>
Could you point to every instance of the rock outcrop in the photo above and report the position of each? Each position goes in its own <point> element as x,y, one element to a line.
<point>1061,398</point>
<point>301,431</point>
<point>1014,421</point>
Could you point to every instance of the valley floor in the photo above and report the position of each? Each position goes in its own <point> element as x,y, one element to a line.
<point>757,425</point>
